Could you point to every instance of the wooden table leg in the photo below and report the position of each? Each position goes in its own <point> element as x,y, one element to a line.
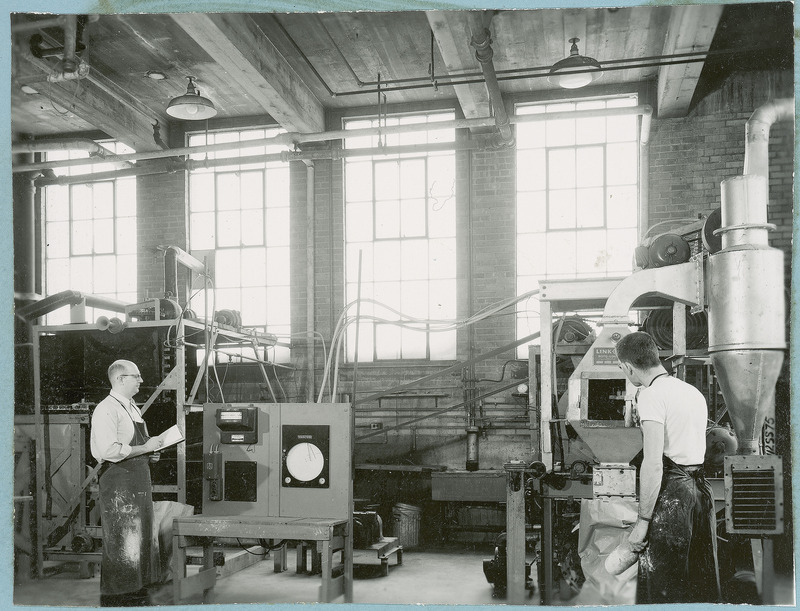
<point>208,563</point>
<point>327,572</point>
<point>178,566</point>
<point>280,560</point>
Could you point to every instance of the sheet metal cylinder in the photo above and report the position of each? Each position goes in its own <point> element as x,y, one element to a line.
<point>744,206</point>
<point>746,306</point>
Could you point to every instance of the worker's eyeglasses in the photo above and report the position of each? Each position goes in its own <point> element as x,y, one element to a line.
<point>138,376</point>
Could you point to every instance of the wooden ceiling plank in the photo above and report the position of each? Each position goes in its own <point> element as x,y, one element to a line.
<point>453,32</point>
<point>241,48</point>
<point>101,108</point>
<point>691,28</point>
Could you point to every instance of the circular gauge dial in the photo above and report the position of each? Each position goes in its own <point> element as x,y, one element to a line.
<point>305,461</point>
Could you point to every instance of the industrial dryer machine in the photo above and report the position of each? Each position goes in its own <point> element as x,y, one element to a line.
<point>276,459</point>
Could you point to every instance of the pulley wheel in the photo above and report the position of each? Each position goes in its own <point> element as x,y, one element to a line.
<point>669,249</point>
<point>712,243</point>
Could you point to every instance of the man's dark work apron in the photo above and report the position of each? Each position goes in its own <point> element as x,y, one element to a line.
<point>679,564</point>
<point>130,546</point>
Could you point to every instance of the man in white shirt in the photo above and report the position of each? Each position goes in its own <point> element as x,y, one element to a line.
<point>122,446</point>
<point>676,529</point>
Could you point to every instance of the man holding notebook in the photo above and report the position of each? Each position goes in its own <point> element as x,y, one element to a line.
<point>121,444</point>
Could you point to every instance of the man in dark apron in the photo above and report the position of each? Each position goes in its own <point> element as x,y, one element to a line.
<point>675,532</point>
<point>120,443</point>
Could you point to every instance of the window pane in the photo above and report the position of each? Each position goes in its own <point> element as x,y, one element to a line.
<point>228,195</point>
<point>104,236</point>
<point>561,253</point>
<point>126,197</point>
<point>80,274</point>
<point>103,200</point>
<point>366,334</point>
<point>278,305</point>
<point>57,203</point>
<point>442,217</point>
<point>126,274</point>
<point>228,299</point>
<point>562,209</point>
<point>442,254</point>
<point>590,130</point>
<point>277,224</point>
<point>82,237</point>
<point>387,342</point>
<point>81,202</point>
<point>387,180</point>
<point>388,294</point>
<point>531,170</point>
<point>414,299</point>
<point>353,249</point>
<point>442,177</point>
<point>358,181</point>
<point>201,228</point>
<point>590,166</point>
<point>412,215</point>
<point>253,227</point>
<point>442,300</point>
<point>230,230</point>
<point>57,276</point>
<point>560,132</point>
<point>412,178</point>
<point>387,219</point>
<point>621,243</point>
<point>623,167</point>
<point>201,192</point>
<point>443,345</point>
<point>622,207</point>
<point>105,274</point>
<point>278,266</point>
<point>622,128</point>
<point>414,259</point>
<point>561,168</point>
<point>254,305</point>
<point>252,190</point>
<point>387,260</point>
<point>228,266</point>
<point>591,253</point>
<point>125,235</point>
<point>532,211</point>
<point>359,222</point>
<point>531,135</point>
<point>413,344</point>
<point>590,207</point>
<point>254,267</point>
<point>57,240</point>
<point>532,254</point>
<point>278,187</point>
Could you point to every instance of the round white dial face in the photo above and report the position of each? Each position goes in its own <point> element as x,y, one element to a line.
<point>305,461</point>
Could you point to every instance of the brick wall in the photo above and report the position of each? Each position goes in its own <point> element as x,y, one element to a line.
<point>689,157</point>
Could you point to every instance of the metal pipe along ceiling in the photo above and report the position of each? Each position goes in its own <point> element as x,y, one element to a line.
<point>484,53</point>
<point>292,138</point>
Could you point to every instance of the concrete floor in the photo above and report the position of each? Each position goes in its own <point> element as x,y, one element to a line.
<point>452,577</point>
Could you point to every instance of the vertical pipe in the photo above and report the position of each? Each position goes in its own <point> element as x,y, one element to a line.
<point>515,532</point>
<point>24,229</point>
<point>483,52</point>
<point>310,270</point>
<point>70,63</point>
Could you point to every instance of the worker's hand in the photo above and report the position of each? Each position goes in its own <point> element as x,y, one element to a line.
<point>153,444</point>
<point>155,456</point>
<point>638,535</point>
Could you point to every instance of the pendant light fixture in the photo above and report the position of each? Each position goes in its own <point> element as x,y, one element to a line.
<point>191,106</point>
<point>576,70</point>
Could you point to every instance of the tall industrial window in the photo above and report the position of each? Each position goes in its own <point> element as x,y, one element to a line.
<point>400,215</point>
<point>90,234</point>
<point>577,196</point>
<point>241,213</point>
